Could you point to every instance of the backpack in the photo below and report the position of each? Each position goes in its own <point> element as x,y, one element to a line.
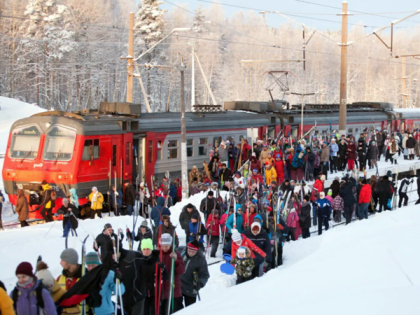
<point>38,294</point>
<point>34,198</point>
<point>53,195</point>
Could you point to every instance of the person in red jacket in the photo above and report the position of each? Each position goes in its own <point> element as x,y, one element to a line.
<point>255,164</point>
<point>213,228</point>
<point>364,199</point>
<point>351,155</point>
<point>167,256</point>
<point>246,147</point>
<point>279,166</point>
<point>239,240</point>
<point>318,188</point>
<point>248,216</point>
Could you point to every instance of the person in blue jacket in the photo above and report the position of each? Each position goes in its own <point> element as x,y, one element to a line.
<point>239,220</point>
<point>108,286</point>
<point>156,215</point>
<point>333,155</point>
<point>323,209</point>
<point>197,230</point>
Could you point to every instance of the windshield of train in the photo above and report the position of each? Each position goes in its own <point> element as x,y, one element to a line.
<point>25,143</point>
<point>59,144</point>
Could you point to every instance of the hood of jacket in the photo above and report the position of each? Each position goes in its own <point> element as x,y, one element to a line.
<point>305,203</point>
<point>160,201</point>
<point>73,192</point>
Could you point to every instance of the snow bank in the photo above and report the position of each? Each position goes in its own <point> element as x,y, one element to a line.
<point>368,267</point>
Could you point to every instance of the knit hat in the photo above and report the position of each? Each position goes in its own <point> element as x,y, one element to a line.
<point>166,239</point>
<point>277,156</point>
<point>241,250</point>
<point>92,259</point>
<point>255,170</point>
<point>329,192</point>
<point>194,216</point>
<point>238,173</point>
<point>148,243</point>
<point>94,189</point>
<point>70,256</point>
<point>194,245</point>
<point>143,224</point>
<point>236,236</point>
<point>210,193</point>
<point>165,217</point>
<point>256,225</point>
<point>44,275</point>
<point>25,268</point>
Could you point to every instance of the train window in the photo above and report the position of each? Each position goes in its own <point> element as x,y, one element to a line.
<point>172,143</point>
<point>127,153</point>
<point>350,130</point>
<point>91,150</point>
<point>216,141</point>
<point>150,151</point>
<point>357,130</point>
<point>190,147</point>
<point>114,155</point>
<point>231,139</point>
<point>25,143</point>
<point>202,146</point>
<point>59,144</point>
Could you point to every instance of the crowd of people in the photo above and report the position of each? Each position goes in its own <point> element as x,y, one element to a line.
<point>256,199</point>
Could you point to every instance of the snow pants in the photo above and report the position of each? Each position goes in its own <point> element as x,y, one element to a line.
<point>322,220</point>
<point>348,213</point>
<point>405,197</point>
<point>46,214</point>
<point>363,210</point>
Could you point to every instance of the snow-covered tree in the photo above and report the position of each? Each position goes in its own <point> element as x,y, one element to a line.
<point>149,23</point>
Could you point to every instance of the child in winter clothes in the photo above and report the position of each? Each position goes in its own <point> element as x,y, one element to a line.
<point>213,227</point>
<point>305,217</point>
<point>323,209</point>
<point>243,264</point>
<point>338,207</point>
<point>292,222</point>
<point>329,196</point>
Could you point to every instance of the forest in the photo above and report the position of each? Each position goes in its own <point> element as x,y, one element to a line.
<point>69,55</point>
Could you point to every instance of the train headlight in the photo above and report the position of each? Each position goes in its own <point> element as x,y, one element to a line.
<point>59,176</point>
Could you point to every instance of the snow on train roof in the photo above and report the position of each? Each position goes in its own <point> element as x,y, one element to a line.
<point>407,110</point>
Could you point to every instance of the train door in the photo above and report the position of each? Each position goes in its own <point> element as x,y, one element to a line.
<point>115,161</point>
<point>127,160</point>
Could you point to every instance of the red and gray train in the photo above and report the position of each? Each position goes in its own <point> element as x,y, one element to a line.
<point>118,142</point>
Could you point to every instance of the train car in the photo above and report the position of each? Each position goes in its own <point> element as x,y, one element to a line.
<point>115,143</point>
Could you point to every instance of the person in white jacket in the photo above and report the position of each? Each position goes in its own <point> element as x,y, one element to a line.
<point>239,181</point>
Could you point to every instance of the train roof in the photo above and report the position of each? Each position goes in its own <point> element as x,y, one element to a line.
<point>93,123</point>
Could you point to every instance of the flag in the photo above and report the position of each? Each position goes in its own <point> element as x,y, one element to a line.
<point>88,285</point>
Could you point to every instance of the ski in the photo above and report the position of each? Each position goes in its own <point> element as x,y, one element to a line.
<point>394,203</point>
<point>84,271</point>
<point>171,300</point>
<point>36,264</point>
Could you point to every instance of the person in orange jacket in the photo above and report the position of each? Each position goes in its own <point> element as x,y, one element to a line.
<point>6,303</point>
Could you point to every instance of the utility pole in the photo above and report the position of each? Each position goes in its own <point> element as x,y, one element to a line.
<point>184,166</point>
<point>130,61</point>
<point>192,78</point>
<point>343,75</point>
<point>403,82</point>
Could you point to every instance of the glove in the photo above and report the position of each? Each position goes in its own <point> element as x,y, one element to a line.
<point>199,286</point>
<point>129,234</point>
<point>161,265</point>
<point>173,255</point>
<point>118,274</point>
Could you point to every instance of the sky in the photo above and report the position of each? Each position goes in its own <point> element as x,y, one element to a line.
<point>321,14</point>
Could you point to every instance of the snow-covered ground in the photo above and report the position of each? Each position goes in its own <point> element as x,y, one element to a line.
<point>368,267</point>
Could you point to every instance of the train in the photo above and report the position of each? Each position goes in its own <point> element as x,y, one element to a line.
<point>118,142</point>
